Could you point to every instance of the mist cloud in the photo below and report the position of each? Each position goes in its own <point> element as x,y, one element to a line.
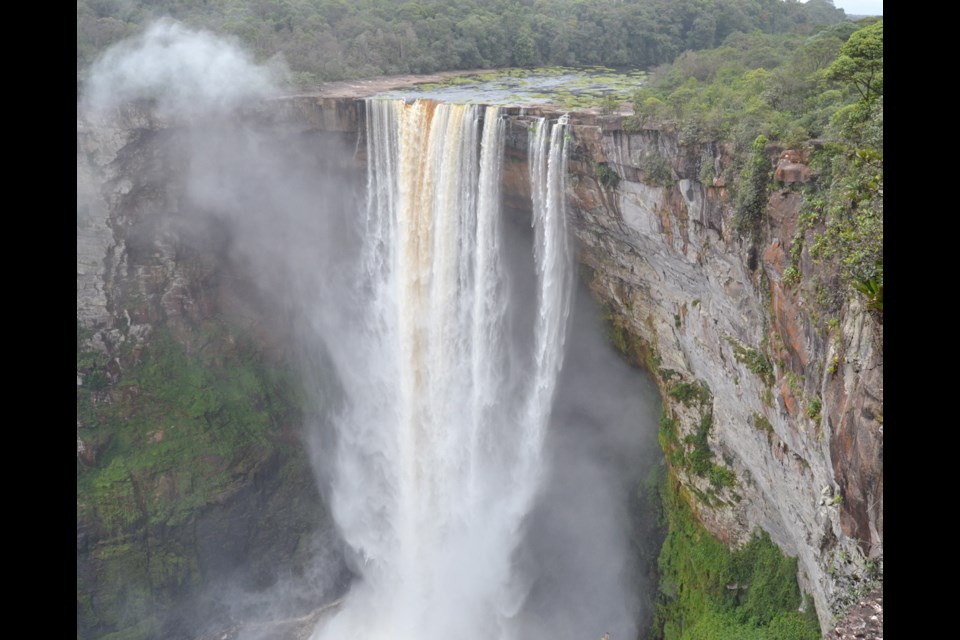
<point>187,72</point>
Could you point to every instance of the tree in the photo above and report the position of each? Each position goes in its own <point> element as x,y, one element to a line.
<point>860,62</point>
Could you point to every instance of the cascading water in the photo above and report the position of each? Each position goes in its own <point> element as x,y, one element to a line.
<point>439,453</point>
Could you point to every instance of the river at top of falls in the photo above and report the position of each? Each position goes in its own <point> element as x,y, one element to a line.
<point>528,87</point>
<point>456,352</point>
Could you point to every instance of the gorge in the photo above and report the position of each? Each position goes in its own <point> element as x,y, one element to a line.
<point>243,250</point>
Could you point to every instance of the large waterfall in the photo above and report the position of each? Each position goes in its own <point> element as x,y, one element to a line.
<point>477,442</point>
<point>439,451</point>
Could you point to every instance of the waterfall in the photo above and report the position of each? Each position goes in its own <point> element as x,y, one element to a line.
<point>439,450</point>
<point>548,169</point>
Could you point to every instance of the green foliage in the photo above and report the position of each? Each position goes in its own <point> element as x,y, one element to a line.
<point>721,477</point>
<point>755,360</point>
<point>844,207</point>
<point>656,170</point>
<point>753,84</point>
<point>791,276</point>
<point>668,440</point>
<point>619,339</point>
<point>873,292</point>
<point>826,85</point>
<point>609,104</point>
<point>693,454</point>
<point>707,173</point>
<point>848,213</point>
<point>653,361</point>
<point>813,407</point>
<point>698,458</point>
<point>177,428</point>
<point>180,427</point>
<point>91,363</point>
<point>329,39</point>
<point>691,393</point>
<point>753,193</point>
<point>834,365</point>
<point>633,349</point>
<point>668,374</point>
<point>607,176</point>
<point>860,63</point>
<point>709,592</point>
<point>761,422</point>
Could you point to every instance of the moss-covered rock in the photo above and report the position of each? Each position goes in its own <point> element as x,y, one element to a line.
<point>197,476</point>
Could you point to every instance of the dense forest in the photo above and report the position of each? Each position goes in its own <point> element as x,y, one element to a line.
<point>323,40</point>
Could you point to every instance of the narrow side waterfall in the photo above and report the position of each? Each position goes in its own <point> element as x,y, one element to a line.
<point>548,170</point>
<point>439,453</point>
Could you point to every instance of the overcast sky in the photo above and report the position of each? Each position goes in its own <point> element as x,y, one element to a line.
<point>860,7</point>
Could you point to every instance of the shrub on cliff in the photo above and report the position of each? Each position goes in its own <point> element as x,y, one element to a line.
<point>754,192</point>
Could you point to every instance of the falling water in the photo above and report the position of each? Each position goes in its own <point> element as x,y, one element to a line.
<point>548,169</point>
<point>439,454</point>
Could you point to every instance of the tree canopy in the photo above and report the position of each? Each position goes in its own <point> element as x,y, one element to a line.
<point>325,40</point>
<point>860,63</point>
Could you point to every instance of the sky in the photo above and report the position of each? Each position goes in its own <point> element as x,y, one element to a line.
<point>860,7</point>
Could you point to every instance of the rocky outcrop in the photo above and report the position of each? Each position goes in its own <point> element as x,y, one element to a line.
<point>792,168</point>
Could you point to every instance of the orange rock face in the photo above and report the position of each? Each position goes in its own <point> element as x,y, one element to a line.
<point>792,168</point>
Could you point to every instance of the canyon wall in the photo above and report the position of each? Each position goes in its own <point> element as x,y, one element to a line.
<point>788,394</point>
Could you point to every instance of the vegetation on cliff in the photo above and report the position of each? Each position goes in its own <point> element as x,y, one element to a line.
<point>708,592</point>
<point>171,429</point>
<point>169,433</point>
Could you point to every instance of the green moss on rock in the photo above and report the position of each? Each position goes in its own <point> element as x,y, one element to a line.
<point>186,427</point>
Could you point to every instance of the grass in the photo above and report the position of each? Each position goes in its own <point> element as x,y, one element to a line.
<point>762,423</point>
<point>607,176</point>
<point>656,170</point>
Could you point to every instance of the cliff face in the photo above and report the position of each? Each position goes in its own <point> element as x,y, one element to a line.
<point>790,398</point>
<point>193,490</point>
<point>773,409</point>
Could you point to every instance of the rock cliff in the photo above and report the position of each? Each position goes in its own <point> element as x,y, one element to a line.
<point>193,488</point>
<point>789,396</point>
